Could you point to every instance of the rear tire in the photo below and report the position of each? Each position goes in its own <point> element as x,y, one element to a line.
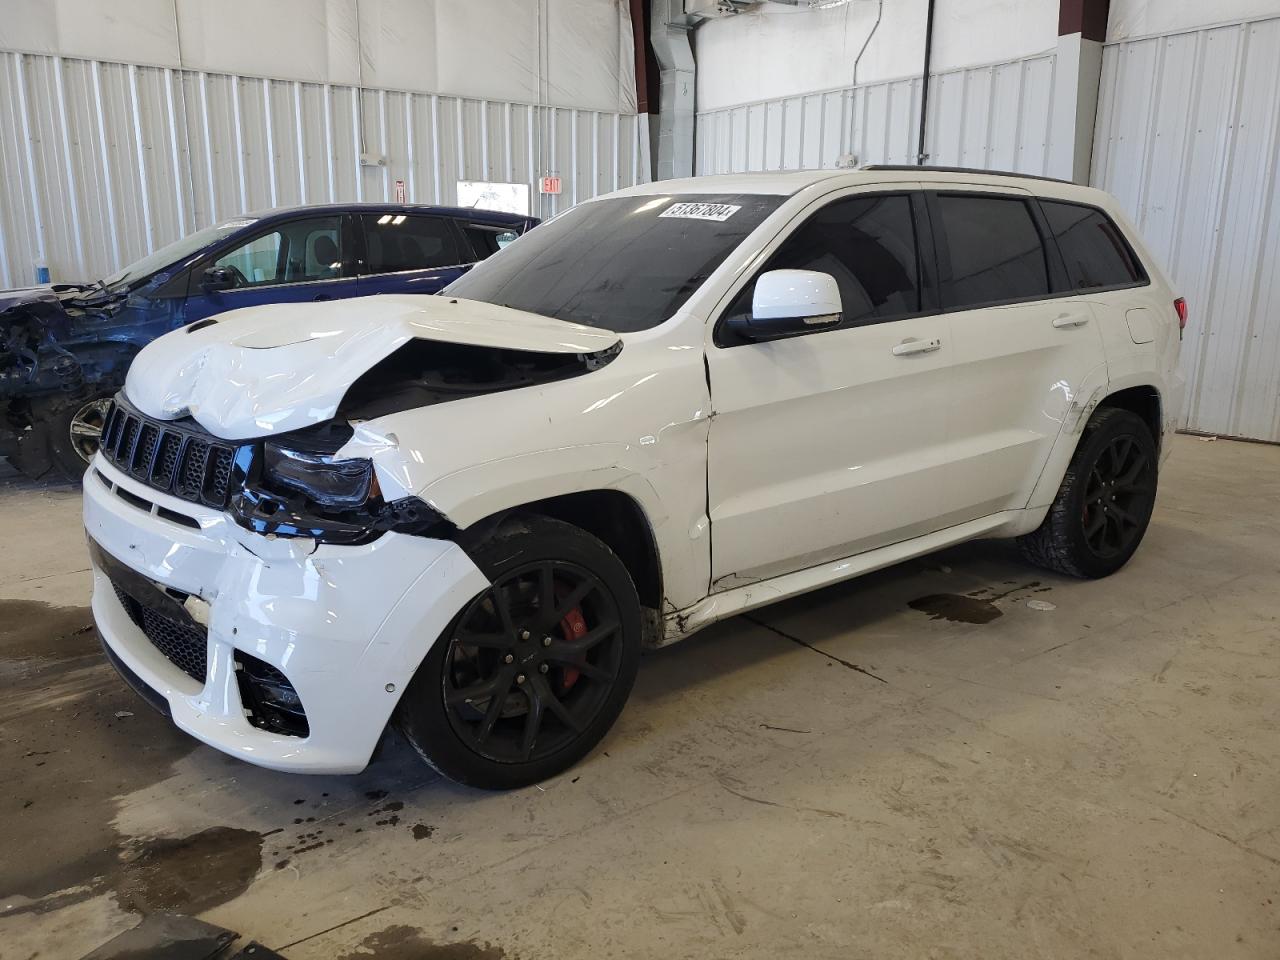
<point>1104,505</point>
<point>533,672</point>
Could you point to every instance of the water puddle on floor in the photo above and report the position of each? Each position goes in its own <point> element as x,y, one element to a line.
<point>187,874</point>
<point>34,629</point>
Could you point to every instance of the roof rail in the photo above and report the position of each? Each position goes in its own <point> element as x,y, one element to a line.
<point>986,173</point>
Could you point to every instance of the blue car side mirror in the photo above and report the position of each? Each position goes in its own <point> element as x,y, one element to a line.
<point>217,279</point>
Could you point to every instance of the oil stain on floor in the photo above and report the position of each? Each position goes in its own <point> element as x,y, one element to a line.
<point>956,608</point>
<point>979,606</point>
<point>402,942</point>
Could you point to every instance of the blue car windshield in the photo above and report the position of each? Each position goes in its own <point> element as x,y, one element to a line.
<point>622,264</point>
<point>173,252</point>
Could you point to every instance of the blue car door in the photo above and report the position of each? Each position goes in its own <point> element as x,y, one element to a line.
<point>410,253</point>
<point>289,261</point>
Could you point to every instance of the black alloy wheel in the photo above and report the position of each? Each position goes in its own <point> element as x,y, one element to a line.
<point>1103,507</point>
<point>531,673</point>
<point>1118,496</point>
<point>530,662</point>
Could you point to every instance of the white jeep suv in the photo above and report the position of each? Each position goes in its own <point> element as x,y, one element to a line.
<point>470,513</point>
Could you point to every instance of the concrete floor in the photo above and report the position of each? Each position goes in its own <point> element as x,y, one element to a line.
<point>1098,777</point>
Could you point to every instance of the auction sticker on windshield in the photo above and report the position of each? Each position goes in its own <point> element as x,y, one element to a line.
<point>719,212</point>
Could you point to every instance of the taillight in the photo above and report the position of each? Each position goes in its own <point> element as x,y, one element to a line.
<point>1180,305</point>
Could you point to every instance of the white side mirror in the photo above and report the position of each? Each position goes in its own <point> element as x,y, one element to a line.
<point>789,302</point>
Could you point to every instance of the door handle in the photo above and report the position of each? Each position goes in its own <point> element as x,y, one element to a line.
<point>912,346</point>
<point>1071,320</point>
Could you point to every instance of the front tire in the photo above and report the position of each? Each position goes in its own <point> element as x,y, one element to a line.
<point>1104,505</point>
<point>70,431</point>
<point>533,672</point>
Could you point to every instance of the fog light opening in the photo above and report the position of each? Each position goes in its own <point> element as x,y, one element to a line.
<point>271,703</point>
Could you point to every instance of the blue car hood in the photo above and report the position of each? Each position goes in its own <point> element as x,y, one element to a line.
<point>26,296</point>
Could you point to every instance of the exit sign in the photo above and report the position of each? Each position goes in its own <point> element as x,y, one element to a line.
<point>549,185</point>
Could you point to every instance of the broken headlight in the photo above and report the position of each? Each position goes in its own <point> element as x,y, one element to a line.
<point>295,486</point>
<point>325,481</point>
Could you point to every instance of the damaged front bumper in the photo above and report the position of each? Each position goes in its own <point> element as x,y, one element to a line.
<point>334,632</point>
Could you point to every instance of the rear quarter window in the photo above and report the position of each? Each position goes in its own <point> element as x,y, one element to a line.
<point>487,239</point>
<point>1094,250</point>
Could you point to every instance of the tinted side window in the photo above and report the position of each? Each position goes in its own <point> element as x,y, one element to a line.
<point>487,240</point>
<point>995,251</point>
<point>868,243</point>
<point>293,252</point>
<point>1093,247</point>
<point>395,242</point>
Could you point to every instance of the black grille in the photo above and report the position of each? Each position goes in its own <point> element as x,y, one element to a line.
<point>185,643</point>
<point>220,459</point>
<point>128,441</point>
<point>191,476</point>
<point>147,438</point>
<point>167,459</point>
<point>175,457</point>
<point>111,428</point>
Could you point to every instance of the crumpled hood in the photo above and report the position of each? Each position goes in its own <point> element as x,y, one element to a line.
<point>268,369</point>
<point>59,310</point>
<point>25,296</point>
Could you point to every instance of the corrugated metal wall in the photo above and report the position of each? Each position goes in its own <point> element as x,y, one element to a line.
<point>995,116</point>
<point>104,162</point>
<point>1188,138</point>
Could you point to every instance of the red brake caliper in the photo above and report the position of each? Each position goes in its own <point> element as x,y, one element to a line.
<point>574,627</point>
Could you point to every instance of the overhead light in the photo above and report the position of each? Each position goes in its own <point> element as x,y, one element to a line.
<point>826,4</point>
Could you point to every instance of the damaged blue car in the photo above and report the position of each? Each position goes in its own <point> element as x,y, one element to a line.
<point>65,349</point>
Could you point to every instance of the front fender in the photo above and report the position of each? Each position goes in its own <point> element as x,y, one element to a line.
<point>638,425</point>
<point>482,490</point>
<point>675,513</point>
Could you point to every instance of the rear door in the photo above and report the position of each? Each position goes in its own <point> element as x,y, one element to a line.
<point>297,260</point>
<point>833,443</point>
<point>409,253</point>
<point>1026,346</point>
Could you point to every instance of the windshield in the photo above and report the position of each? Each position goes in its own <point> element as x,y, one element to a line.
<point>624,264</point>
<point>173,252</point>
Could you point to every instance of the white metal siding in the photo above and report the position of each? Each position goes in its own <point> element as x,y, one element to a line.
<point>1188,138</point>
<point>996,116</point>
<point>104,162</point>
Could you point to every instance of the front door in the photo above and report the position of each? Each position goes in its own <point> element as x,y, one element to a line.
<point>1026,346</point>
<point>298,260</point>
<point>833,443</point>
<point>410,253</point>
